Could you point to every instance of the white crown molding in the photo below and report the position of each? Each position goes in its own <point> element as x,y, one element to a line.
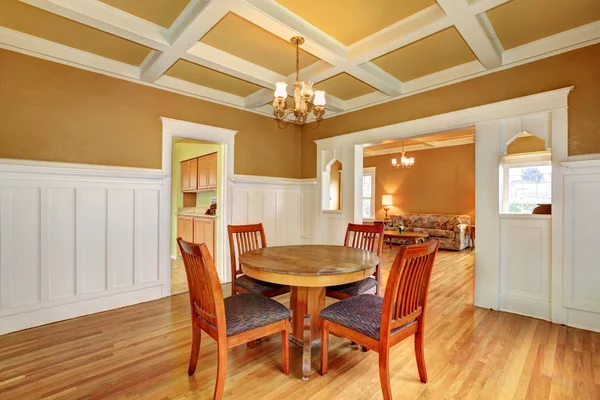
<point>181,41</point>
<point>419,147</point>
<point>268,180</point>
<point>536,103</point>
<point>581,162</point>
<point>89,170</point>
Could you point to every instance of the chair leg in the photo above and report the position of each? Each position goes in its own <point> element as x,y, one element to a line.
<point>285,348</point>
<point>196,338</point>
<point>384,373</point>
<point>221,370</point>
<point>250,344</point>
<point>324,347</point>
<point>420,355</point>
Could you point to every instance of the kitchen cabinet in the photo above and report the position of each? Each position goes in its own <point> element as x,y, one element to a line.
<point>204,232</point>
<point>185,229</point>
<point>189,175</point>
<point>200,173</point>
<point>197,229</point>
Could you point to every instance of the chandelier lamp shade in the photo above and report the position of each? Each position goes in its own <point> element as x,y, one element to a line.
<point>307,100</point>
<point>405,162</point>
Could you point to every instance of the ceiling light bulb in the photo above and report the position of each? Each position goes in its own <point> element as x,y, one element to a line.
<point>319,99</point>
<point>307,90</point>
<point>281,90</point>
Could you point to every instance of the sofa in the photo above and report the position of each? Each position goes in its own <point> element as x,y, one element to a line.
<point>451,230</point>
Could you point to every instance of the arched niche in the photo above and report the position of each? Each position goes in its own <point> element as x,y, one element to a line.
<point>332,185</point>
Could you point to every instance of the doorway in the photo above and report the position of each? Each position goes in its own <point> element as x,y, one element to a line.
<point>176,132</point>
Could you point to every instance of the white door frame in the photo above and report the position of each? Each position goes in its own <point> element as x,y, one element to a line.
<point>487,120</point>
<point>189,130</point>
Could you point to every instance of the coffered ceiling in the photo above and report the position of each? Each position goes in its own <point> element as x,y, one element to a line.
<point>437,140</point>
<point>360,52</point>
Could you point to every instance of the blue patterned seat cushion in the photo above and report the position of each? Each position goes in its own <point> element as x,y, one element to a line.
<point>256,286</point>
<point>354,288</point>
<point>361,313</point>
<point>246,311</point>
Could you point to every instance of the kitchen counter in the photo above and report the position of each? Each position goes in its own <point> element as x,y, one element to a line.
<point>194,212</point>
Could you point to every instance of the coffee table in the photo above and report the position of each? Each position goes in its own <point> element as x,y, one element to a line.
<point>412,236</point>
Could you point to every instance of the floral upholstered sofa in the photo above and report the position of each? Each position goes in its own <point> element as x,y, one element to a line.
<point>451,230</point>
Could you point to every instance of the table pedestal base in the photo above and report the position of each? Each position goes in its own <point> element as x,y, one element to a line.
<point>306,303</point>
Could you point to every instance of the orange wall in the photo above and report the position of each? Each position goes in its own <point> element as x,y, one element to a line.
<point>579,68</point>
<point>442,181</point>
<point>54,112</point>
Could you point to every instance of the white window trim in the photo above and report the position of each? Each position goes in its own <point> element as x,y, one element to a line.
<point>516,161</point>
<point>369,171</point>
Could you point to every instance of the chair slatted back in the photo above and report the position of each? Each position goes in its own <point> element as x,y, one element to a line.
<point>243,238</point>
<point>405,296</point>
<point>206,297</point>
<point>366,237</point>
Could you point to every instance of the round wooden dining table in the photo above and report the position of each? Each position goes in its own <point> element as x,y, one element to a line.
<point>308,270</point>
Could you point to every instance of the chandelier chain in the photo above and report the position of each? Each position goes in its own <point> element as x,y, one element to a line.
<point>297,62</point>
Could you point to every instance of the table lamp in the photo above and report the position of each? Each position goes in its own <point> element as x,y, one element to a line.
<point>386,202</point>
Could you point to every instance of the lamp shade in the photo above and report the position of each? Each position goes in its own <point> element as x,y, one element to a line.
<point>387,200</point>
<point>307,90</point>
<point>319,99</point>
<point>280,90</point>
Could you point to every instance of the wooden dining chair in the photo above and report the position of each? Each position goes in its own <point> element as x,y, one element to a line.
<point>380,323</point>
<point>232,321</point>
<point>243,238</point>
<point>366,237</point>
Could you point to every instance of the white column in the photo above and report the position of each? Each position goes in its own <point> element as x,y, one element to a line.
<point>487,208</point>
<point>352,171</point>
<point>559,143</point>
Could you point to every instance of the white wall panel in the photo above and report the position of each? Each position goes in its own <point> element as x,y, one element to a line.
<point>61,242</point>
<point>283,206</point>
<point>76,240</point>
<point>146,237</point>
<point>91,240</point>
<point>24,256</point>
<point>121,237</point>
<point>582,222</point>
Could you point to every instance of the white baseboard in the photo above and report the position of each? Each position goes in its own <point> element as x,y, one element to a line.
<point>524,306</point>
<point>17,322</point>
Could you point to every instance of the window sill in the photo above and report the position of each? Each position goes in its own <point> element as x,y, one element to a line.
<point>526,216</point>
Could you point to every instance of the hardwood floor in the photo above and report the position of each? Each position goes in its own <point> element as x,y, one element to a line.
<point>178,277</point>
<point>141,352</point>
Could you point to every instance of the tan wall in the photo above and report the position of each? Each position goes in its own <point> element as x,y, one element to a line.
<point>53,112</point>
<point>577,68</point>
<point>442,181</point>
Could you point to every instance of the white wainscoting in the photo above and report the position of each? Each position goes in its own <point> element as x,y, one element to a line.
<point>76,240</point>
<point>287,208</point>
<point>525,265</point>
<point>581,273</point>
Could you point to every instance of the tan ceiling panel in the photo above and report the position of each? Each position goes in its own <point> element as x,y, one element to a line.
<point>160,12</point>
<point>434,53</point>
<point>344,86</point>
<point>203,76</point>
<point>349,21</point>
<point>519,22</point>
<point>241,38</point>
<point>37,22</point>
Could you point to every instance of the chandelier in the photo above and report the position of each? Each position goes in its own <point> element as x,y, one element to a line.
<point>303,94</point>
<point>405,162</point>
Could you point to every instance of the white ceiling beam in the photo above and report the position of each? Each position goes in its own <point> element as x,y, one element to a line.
<point>409,30</point>
<point>201,19</point>
<point>221,61</point>
<point>484,5</point>
<point>473,32</point>
<point>374,76</point>
<point>280,21</point>
<point>431,144</point>
<point>108,19</point>
<point>32,45</point>
<point>417,147</point>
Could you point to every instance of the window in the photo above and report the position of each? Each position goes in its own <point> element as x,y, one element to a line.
<point>368,193</point>
<point>526,185</point>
